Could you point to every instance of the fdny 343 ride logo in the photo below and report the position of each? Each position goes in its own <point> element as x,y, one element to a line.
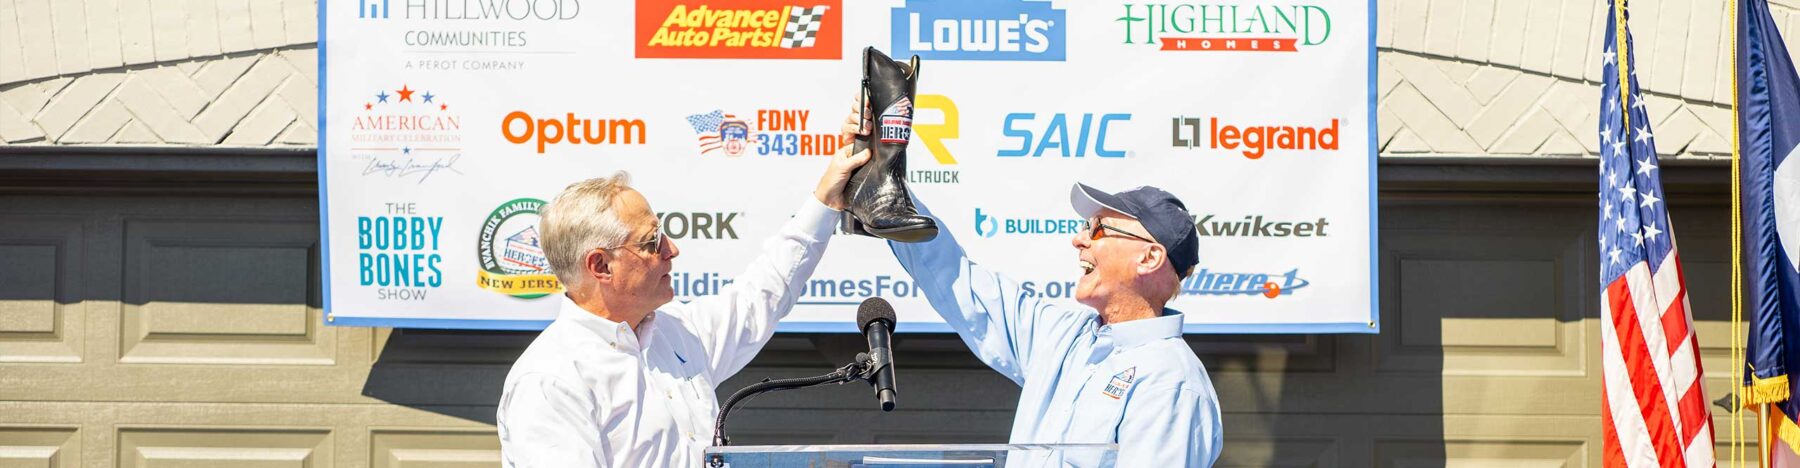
<point>767,132</point>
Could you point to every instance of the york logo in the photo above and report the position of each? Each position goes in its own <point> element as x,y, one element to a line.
<point>1270,285</point>
<point>1225,27</point>
<point>684,225</point>
<point>1255,140</point>
<point>746,29</point>
<point>1065,135</point>
<point>1258,226</point>
<point>987,225</point>
<point>986,30</point>
<point>521,128</point>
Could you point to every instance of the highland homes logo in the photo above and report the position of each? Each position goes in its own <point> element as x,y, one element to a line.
<point>739,29</point>
<point>512,258</point>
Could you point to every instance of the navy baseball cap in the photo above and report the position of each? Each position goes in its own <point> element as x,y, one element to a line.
<point>1163,215</point>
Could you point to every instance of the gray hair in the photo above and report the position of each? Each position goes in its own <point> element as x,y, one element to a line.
<point>580,219</point>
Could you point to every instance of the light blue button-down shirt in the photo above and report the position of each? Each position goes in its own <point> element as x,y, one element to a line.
<point>1136,384</point>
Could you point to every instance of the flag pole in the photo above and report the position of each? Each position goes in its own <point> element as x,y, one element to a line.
<point>1739,337</point>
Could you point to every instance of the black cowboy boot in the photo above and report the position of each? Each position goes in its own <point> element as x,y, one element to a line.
<point>879,205</point>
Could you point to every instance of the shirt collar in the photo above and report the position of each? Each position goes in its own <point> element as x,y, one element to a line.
<point>1127,335</point>
<point>617,334</point>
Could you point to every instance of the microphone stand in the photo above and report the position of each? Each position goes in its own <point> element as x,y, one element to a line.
<point>862,369</point>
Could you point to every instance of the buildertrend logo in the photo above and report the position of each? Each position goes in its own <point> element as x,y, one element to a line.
<point>1270,285</point>
<point>739,29</point>
<point>987,225</point>
<point>985,30</point>
<point>1225,27</point>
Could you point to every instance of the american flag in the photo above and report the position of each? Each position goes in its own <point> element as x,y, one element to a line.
<point>706,126</point>
<point>1655,407</point>
<point>803,26</point>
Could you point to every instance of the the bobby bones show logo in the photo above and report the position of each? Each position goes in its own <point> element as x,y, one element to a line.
<point>1207,282</point>
<point>407,133</point>
<point>511,254</point>
<point>1253,140</point>
<point>979,30</point>
<point>989,225</point>
<point>1238,27</point>
<point>765,132</point>
<point>397,253</point>
<point>739,29</point>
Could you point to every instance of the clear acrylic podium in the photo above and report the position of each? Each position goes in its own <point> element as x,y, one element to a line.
<point>915,456</point>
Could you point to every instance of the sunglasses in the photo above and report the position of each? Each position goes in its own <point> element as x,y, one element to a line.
<point>1097,230</point>
<point>652,245</point>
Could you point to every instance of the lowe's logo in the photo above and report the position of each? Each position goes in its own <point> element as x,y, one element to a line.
<point>979,30</point>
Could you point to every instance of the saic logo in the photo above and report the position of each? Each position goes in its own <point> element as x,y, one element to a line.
<point>778,132</point>
<point>1270,285</point>
<point>985,30</point>
<point>698,225</point>
<point>987,225</point>
<point>1257,226</point>
<point>751,29</point>
<point>1226,27</point>
<point>1089,132</point>
<point>511,255</point>
<point>519,127</point>
<point>1254,139</point>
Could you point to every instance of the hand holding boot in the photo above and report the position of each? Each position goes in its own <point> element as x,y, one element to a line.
<point>843,163</point>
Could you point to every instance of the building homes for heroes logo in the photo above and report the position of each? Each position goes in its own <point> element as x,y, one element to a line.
<point>738,29</point>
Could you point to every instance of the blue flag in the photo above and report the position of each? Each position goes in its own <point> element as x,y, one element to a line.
<point>1768,103</point>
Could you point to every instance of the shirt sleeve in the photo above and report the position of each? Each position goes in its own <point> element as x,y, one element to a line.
<point>544,423</point>
<point>1171,427</point>
<point>1002,321</point>
<point>735,323</point>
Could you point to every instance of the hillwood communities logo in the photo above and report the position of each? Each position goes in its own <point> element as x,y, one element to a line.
<point>512,258</point>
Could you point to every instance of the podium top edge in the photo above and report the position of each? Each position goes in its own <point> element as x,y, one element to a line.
<point>905,448</point>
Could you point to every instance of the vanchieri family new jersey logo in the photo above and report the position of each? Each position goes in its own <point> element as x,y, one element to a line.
<point>511,253</point>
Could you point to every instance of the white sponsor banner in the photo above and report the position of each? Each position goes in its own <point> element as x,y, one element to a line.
<point>445,124</point>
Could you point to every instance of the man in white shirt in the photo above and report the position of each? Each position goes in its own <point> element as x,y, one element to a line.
<point>624,376</point>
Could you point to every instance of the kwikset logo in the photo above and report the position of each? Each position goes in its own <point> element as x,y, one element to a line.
<point>1259,226</point>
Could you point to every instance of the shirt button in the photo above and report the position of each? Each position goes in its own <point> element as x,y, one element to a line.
<point>669,394</point>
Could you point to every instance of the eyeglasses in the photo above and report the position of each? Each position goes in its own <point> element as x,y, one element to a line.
<point>649,246</point>
<point>1097,230</point>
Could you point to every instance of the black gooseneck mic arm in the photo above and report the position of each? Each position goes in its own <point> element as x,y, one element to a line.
<point>862,369</point>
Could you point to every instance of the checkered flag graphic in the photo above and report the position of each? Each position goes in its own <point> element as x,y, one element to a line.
<point>708,122</point>
<point>803,26</point>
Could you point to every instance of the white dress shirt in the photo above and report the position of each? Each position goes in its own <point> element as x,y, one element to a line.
<point>590,392</point>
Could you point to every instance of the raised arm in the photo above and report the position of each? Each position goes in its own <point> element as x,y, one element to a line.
<point>999,321</point>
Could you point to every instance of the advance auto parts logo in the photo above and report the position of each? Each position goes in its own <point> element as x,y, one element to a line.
<point>512,258</point>
<point>739,29</point>
<point>1226,27</point>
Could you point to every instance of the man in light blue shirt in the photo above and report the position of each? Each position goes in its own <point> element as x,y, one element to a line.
<point>1115,371</point>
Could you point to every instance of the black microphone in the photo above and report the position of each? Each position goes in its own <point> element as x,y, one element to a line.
<point>876,318</point>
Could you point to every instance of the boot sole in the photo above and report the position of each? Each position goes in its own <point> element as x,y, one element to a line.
<point>908,235</point>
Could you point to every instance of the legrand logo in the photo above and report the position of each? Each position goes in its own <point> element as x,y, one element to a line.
<point>521,128</point>
<point>740,29</point>
<point>984,30</point>
<point>1226,27</point>
<point>1270,285</point>
<point>1258,226</point>
<point>1255,140</point>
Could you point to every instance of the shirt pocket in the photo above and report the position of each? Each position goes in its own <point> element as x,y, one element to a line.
<point>1096,417</point>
